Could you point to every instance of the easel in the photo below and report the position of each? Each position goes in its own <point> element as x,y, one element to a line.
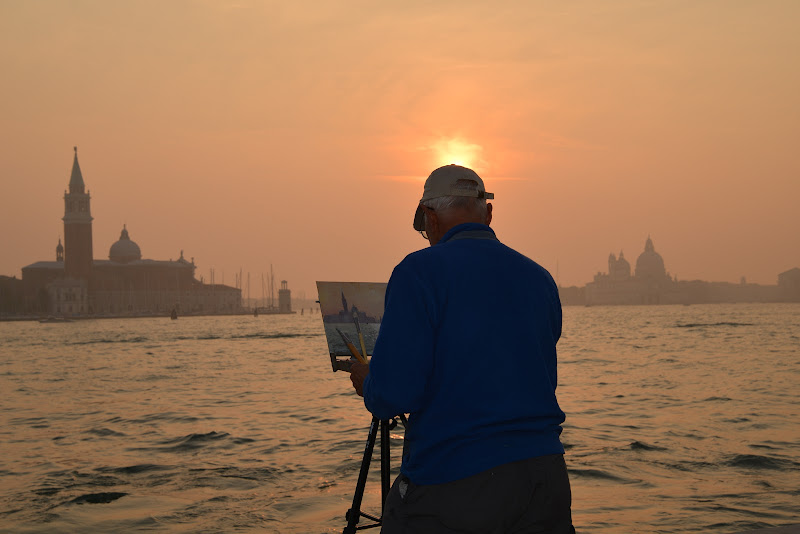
<point>354,513</point>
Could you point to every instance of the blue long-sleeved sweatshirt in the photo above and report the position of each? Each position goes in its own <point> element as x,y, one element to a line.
<point>467,347</point>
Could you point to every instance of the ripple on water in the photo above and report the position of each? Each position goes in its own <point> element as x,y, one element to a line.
<point>711,325</point>
<point>168,417</point>
<point>662,403</point>
<point>104,432</point>
<point>134,469</point>
<point>600,474</point>
<point>190,442</point>
<point>755,461</point>
<point>642,446</point>
<point>97,498</point>
<point>135,339</point>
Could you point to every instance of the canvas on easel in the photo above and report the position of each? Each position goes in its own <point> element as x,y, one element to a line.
<point>351,311</point>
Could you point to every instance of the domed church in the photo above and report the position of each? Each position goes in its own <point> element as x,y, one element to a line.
<point>650,265</point>
<point>649,284</point>
<point>124,250</point>
<point>76,284</point>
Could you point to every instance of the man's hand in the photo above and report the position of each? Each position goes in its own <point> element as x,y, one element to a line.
<point>358,372</point>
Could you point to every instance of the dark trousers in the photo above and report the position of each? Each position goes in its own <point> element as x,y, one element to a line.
<point>529,496</point>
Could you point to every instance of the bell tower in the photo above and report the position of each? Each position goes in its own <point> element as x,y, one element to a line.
<point>77,226</point>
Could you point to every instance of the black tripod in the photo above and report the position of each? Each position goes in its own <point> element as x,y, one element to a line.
<point>355,513</point>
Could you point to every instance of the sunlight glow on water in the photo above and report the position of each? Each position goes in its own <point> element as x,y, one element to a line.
<point>679,419</point>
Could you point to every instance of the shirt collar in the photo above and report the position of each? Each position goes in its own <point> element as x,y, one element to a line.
<point>468,231</point>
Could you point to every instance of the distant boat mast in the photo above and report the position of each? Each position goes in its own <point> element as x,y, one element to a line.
<point>271,287</point>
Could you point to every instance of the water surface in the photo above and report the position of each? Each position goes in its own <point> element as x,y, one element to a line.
<point>679,419</point>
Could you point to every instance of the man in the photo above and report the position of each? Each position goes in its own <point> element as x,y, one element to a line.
<point>467,347</point>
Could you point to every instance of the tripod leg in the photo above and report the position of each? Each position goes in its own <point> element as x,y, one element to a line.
<point>385,463</point>
<point>354,513</point>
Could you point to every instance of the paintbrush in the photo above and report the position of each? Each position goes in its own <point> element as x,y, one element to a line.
<point>360,335</point>
<point>351,347</point>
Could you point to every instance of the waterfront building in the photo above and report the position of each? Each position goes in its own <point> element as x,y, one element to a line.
<point>284,298</point>
<point>124,284</point>
<point>650,283</point>
<point>10,295</point>
<point>789,284</point>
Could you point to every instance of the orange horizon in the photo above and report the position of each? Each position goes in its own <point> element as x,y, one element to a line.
<point>299,136</point>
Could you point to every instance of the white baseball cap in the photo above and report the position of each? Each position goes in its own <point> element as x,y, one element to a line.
<point>442,183</point>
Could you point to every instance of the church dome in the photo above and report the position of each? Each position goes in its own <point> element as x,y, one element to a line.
<point>623,268</point>
<point>124,250</point>
<point>623,264</point>
<point>650,265</point>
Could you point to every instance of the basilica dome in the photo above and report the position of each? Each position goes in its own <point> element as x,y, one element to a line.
<point>650,265</point>
<point>623,265</point>
<point>124,250</point>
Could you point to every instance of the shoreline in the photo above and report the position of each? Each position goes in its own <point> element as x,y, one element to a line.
<point>75,319</point>
<point>786,529</point>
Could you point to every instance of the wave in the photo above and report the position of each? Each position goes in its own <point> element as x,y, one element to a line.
<point>135,339</point>
<point>33,422</point>
<point>195,441</point>
<point>245,473</point>
<point>203,337</point>
<point>149,418</point>
<point>133,469</point>
<point>97,498</point>
<point>762,446</point>
<point>46,491</point>
<point>598,474</point>
<point>755,461</point>
<point>259,335</point>
<point>737,420</point>
<point>642,446</point>
<point>702,325</point>
<point>689,466</point>
<point>103,432</point>
<point>252,335</point>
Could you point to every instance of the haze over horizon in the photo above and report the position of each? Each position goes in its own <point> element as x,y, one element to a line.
<point>299,134</point>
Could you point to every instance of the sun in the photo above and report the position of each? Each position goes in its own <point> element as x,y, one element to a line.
<point>458,151</point>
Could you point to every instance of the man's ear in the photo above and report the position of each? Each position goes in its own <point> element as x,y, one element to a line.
<point>488,213</point>
<point>433,222</point>
<point>432,218</point>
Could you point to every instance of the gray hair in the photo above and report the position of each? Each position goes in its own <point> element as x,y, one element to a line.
<point>476,205</point>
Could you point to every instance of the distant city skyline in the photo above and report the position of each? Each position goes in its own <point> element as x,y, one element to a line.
<point>76,284</point>
<point>300,135</point>
<point>650,283</point>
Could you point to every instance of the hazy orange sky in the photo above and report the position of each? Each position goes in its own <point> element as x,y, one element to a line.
<point>299,133</point>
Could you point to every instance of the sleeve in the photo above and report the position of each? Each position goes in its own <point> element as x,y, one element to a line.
<point>557,326</point>
<point>402,361</point>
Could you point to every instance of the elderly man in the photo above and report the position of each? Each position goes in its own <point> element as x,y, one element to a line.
<point>467,347</point>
